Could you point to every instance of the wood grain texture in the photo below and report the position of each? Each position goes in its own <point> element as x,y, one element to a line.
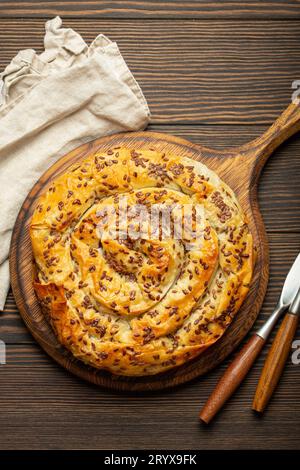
<point>152,9</point>
<point>42,406</point>
<point>209,72</point>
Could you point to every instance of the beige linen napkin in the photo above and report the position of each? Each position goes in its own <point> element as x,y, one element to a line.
<point>52,103</point>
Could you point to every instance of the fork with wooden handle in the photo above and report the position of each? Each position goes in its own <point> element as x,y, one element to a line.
<point>277,356</point>
<point>238,369</point>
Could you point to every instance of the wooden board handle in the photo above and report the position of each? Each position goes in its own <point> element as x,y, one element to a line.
<point>232,378</point>
<point>287,124</point>
<point>275,362</point>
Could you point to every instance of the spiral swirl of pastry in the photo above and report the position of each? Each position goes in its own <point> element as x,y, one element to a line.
<point>121,294</point>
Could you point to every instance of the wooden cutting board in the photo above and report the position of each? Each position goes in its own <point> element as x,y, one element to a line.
<point>238,167</point>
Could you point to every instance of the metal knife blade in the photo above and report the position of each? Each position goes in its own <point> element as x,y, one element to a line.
<point>291,283</point>
<point>288,293</point>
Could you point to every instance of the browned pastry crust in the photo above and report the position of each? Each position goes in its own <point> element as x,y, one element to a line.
<point>142,305</point>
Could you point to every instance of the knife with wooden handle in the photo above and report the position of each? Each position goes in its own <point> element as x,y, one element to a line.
<point>242,363</point>
<point>277,356</point>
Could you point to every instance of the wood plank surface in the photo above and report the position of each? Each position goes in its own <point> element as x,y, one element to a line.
<point>209,72</point>
<point>47,408</point>
<point>195,9</point>
<point>213,72</point>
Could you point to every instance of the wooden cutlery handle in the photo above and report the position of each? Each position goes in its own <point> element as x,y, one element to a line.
<point>275,362</point>
<point>231,379</point>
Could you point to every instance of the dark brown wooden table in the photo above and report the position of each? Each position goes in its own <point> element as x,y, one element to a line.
<point>213,72</point>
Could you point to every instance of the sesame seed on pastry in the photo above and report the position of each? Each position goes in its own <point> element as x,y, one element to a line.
<point>146,302</point>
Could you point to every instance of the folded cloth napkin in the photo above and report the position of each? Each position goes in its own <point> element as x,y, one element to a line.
<point>52,103</point>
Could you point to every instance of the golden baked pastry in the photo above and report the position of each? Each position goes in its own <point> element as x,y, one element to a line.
<point>121,294</point>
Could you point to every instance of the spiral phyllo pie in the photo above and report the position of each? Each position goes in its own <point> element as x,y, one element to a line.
<point>124,292</point>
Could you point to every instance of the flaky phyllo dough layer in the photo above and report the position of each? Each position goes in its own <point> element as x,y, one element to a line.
<point>144,305</point>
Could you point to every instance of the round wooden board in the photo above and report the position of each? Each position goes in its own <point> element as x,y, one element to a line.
<point>239,171</point>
